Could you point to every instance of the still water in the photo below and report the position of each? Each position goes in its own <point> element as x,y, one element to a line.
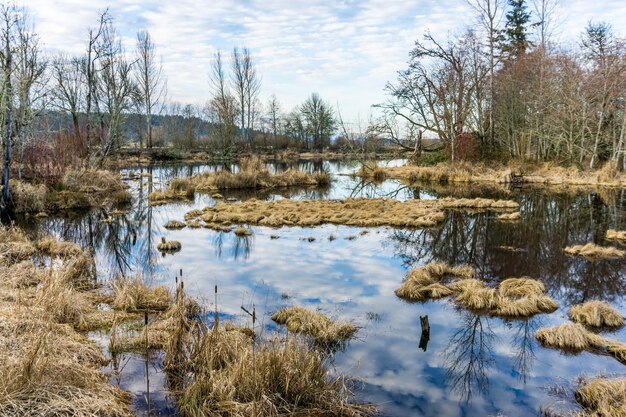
<point>472,366</point>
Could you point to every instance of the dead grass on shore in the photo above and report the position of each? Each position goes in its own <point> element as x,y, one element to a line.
<point>312,323</point>
<point>355,212</point>
<point>546,173</point>
<point>603,397</point>
<point>593,251</point>
<point>131,294</point>
<point>50,246</point>
<point>596,314</point>
<point>371,171</point>
<point>46,366</point>
<point>616,234</point>
<point>14,246</point>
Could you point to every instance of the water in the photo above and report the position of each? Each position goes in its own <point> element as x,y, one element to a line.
<point>472,365</point>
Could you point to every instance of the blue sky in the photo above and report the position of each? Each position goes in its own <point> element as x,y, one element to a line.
<point>345,50</point>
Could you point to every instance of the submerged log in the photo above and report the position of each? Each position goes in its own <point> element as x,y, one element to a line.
<point>425,332</point>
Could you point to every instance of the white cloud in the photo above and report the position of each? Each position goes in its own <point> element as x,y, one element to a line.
<point>345,50</point>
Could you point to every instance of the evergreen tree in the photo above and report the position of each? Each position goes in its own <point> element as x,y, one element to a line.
<point>516,29</point>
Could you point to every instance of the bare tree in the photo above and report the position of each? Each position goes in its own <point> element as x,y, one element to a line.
<point>150,80</point>
<point>247,86</point>
<point>222,108</point>
<point>94,53</point>
<point>273,114</point>
<point>69,89</point>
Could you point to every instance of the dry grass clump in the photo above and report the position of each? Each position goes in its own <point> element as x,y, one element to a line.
<point>219,371</point>
<point>14,245</point>
<point>131,294</point>
<point>162,197</point>
<point>603,397</point>
<point>371,171</point>
<point>90,180</point>
<point>50,246</point>
<point>616,234</point>
<point>317,325</point>
<point>510,216</point>
<point>356,212</point>
<point>47,369</point>
<point>593,251</point>
<point>514,297</point>
<point>242,232</point>
<point>175,224</point>
<point>597,314</point>
<point>169,246</point>
<point>28,198</point>
<point>154,336</point>
<point>571,337</point>
<point>423,283</point>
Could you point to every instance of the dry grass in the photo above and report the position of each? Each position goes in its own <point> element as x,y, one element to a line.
<point>311,323</point>
<point>220,372</point>
<point>616,234</point>
<point>28,198</point>
<point>50,246</point>
<point>242,232</point>
<point>570,337</point>
<point>175,224</point>
<point>596,314</point>
<point>371,171</point>
<point>46,367</point>
<point>14,246</point>
<point>131,294</point>
<point>510,216</point>
<point>514,297</point>
<point>169,246</point>
<point>593,251</point>
<point>603,397</point>
<point>356,212</point>
<point>423,283</point>
<point>465,172</point>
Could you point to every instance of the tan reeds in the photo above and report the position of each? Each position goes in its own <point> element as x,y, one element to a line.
<point>14,246</point>
<point>510,216</point>
<point>52,247</point>
<point>371,171</point>
<point>311,323</point>
<point>131,294</point>
<point>356,212</point>
<point>593,251</point>
<point>514,297</point>
<point>28,198</point>
<point>571,337</point>
<point>175,224</point>
<point>423,283</point>
<point>219,372</point>
<point>242,232</point>
<point>603,397</point>
<point>596,314</point>
<point>169,246</point>
<point>616,234</point>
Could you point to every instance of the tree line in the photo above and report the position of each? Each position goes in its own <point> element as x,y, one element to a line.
<point>505,89</point>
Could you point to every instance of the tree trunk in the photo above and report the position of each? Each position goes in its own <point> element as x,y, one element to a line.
<point>6,171</point>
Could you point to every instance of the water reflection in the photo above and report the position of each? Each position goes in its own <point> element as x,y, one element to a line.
<point>471,365</point>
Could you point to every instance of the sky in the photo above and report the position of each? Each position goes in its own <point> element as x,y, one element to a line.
<point>345,50</point>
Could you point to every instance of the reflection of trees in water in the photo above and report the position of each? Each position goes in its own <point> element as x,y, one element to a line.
<point>241,246</point>
<point>468,355</point>
<point>524,345</point>
<point>549,223</point>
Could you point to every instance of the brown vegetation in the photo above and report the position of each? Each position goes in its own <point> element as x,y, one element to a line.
<point>242,232</point>
<point>464,172</point>
<point>597,314</point>
<point>46,366</point>
<point>311,323</point>
<point>616,234</point>
<point>514,297</point>
<point>356,212</point>
<point>131,294</point>
<point>169,246</point>
<point>218,371</point>
<point>603,397</point>
<point>593,251</point>
<point>510,216</point>
<point>175,224</point>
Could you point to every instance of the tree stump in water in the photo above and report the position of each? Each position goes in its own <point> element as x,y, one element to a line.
<point>425,332</point>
